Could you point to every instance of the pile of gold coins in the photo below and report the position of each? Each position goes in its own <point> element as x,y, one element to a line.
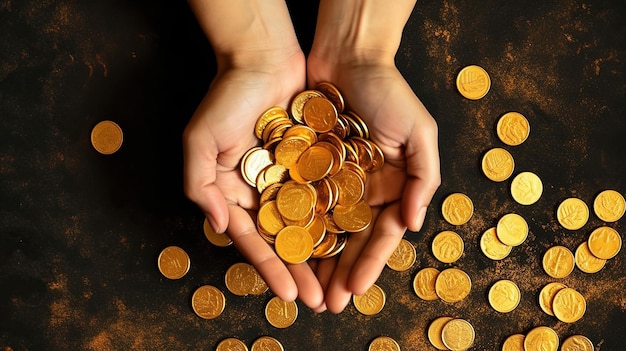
<point>310,173</point>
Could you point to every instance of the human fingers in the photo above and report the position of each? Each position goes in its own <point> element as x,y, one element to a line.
<point>242,230</point>
<point>309,289</point>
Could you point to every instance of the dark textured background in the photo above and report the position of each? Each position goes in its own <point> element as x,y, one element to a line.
<point>80,232</point>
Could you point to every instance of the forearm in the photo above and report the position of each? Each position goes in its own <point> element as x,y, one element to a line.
<point>361,30</point>
<point>246,32</point>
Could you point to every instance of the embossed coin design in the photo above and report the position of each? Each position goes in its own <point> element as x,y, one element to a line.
<point>473,82</point>
<point>208,302</point>
<point>492,247</point>
<point>569,305</point>
<point>498,164</point>
<point>526,188</point>
<point>242,279</point>
<point>577,343</point>
<point>513,128</point>
<point>604,242</point>
<point>371,302</point>
<point>558,262</point>
<point>546,296</point>
<point>504,296</point>
<point>512,229</point>
<point>294,244</point>
<point>457,209</point>
<point>435,329</point>
<point>424,284</point>
<point>447,246</point>
<point>217,239</point>
<point>281,314</point>
<point>266,343</point>
<point>586,261</point>
<point>541,338</point>
<point>107,137</point>
<point>384,343</point>
<point>458,335</point>
<point>453,285</point>
<point>231,344</point>
<point>572,213</point>
<point>609,206</point>
<point>402,257</point>
<point>173,262</point>
<point>514,342</point>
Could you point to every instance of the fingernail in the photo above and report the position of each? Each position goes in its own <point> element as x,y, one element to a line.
<point>213,224</point>
<point>419,221</point>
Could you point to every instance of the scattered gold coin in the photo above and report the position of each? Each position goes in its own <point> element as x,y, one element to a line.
<point>243,279</point>
<point>458,335</point>
<point>577,343</point>
<point>217,239</point>
<point>384,343</point>
<point>572,213</point>
<point>402,257</point>
<point>370,303</point>
<point>173,262</point>
<point>513,128</point>
<point>558,262</point>
<point>504,296</point>
<point>457,209</point>
<point>473,82</point>
<point>512,229</point>
<point>107,137</point>
<point>492,247</point>
<point>604,242</point>
<point>514,342</point>
<point>280,313</point>
<point>586,261</point>
<point>546,296</point>
<point>208,302</point>
<point>231,344</point>
<point>609,206</point>
<point>266,343</point>
<point>453,285</point>
<point>424,284</point>
<point>447,246</point>
<point>498,164</point>
<point>541,338</point>
<point>435,332</point>
<point>569,305</point>
<point>526,188</point>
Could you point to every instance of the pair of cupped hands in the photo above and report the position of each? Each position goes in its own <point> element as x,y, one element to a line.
<point>222,130</point>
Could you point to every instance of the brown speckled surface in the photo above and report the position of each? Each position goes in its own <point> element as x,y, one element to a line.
<point>80,232</point>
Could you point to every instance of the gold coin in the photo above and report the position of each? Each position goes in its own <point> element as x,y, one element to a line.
<point>572,213</point>
<point>353,218</point>
<point>504,296</point>
<point>609,206</point>
<point>424,284</point>
<point>541,338</point>
<point>558,262</point>
<point>604,242</point>
<point>242,279</point>
<point>526,188</point>
<point>512,229</point>
<point>295,201</point>
<point>332,93</point>
<point>458,335</point>
<point>231,344</point>
<point>514,342</point>
<point>384,343</point>
<point>371,302</point>
<point>297,104</point>
<point>351,187</point>
<point>253,162</point>
<point>208,302</point>
<point>294,244</point>
<point>577,343</point>
<point>586,261</point>
<point>289,150</point>
<point>173,262</point>
<point>457,209</point>
<point>269,219</point>
<point>435,329</point>
<point>280,313</point>
<point>492,247</point>
<point>447,246</point>
<point>546,296</point>
<point>269,115</point>
<point>266,343</point>
<point>217,239</point>
<point>453,285</point>
<point>320,114</point>
<point>498,164</point>
<point>473,82</point>
<point>403,257</point>
<point>107,137</point>
<point>569,305</point>
<point>513,128</point>
<point>315,163</point>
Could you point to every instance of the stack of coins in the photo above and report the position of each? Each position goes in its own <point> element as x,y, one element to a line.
<point>447,333</point>
<point>310,173</point>
<point>562,302</point>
